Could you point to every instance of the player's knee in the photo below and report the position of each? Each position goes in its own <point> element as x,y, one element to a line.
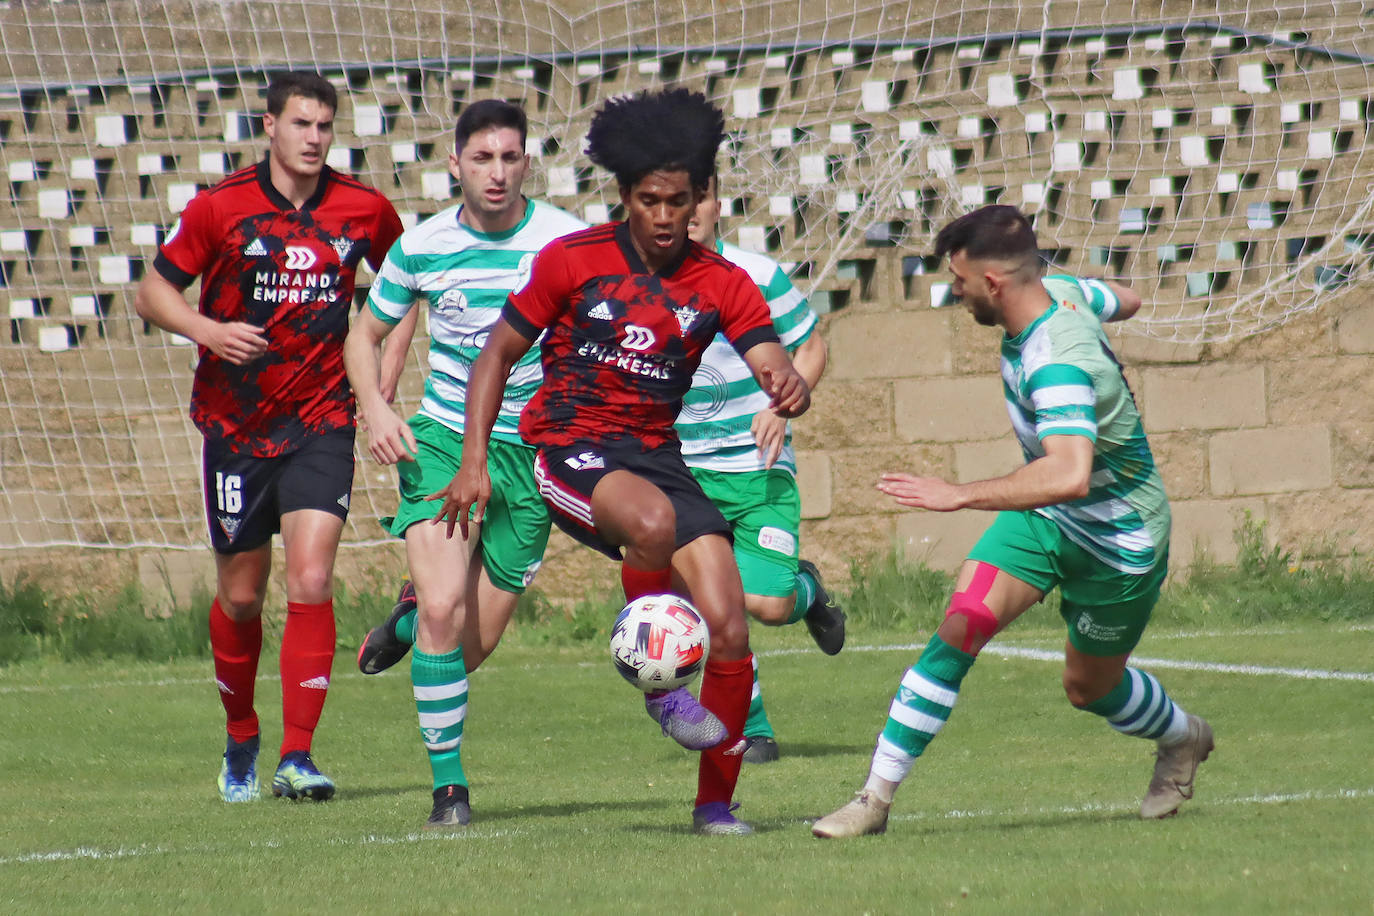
<point>240,603</point>
<point>729,635</point>
<point>769,610</point>
<point>653,528</point>
<point>312,585</point>
<point>1081,688</point>
<point>968,623</point>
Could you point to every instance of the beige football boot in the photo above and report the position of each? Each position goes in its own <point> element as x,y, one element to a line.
<point>865,814</point>
<point>1175,768</point>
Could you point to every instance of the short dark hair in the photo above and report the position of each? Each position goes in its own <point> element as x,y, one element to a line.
<point>303,83</point>
<point>668,131</point>
<point>999,233</point>
<point>486,113</point>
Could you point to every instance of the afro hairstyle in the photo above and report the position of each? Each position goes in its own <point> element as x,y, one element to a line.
<point>676,129</point>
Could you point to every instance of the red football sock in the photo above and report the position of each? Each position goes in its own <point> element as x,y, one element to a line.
<point>725,690</point>
<point>637,582</point>
<point>236,646</point>
<point>307,656</point>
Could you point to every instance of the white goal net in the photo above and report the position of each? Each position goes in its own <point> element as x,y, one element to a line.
<point>1212,156</point>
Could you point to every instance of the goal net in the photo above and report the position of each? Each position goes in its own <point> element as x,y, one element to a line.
<point>1214,157</point>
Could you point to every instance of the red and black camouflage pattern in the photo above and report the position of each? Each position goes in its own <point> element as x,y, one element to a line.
<point>292,272</point>
<point>623,343</point>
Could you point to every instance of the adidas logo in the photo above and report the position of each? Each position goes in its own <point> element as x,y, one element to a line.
<point>223,687</point>
<point>601,310</point>
<point>255,249</point>
<point>317,683</point>
<point>343,501</point>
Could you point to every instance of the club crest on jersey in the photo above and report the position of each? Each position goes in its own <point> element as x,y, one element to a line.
<point>229,525</point>
<point>451,303</point>
<point>601,311</point>
<point>686,317</point>
<point>637,338</point>
<point>255,249</point>
<point>298,257</point>
<point>342,247</point>
<point>585,461</point>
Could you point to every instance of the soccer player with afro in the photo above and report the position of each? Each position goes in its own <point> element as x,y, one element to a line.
<point>625,311</point>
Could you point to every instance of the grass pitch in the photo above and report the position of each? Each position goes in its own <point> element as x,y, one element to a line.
<point>108,800</point>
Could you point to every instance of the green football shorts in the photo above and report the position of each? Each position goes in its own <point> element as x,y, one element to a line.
<point>515,530</point>
<point>764,512</point>
<point>1106,610</point>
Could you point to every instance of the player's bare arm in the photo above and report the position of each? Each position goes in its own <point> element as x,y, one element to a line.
<point>1128,298</point>
<point>768,428</point>
<point>161,303</point>
<point>389,437</point>
<point>470,488</point>
<point>774,372</point>
<point>394,352</point>
<point>1060,476</point>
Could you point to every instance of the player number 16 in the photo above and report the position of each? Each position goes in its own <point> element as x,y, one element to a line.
<point>229,492</point>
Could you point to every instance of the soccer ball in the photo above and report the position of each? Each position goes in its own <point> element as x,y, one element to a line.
<point>659,642</point>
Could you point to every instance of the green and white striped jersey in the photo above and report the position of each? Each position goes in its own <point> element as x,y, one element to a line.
<point>1060,377</point>
<point>719,408</point>
<point>465,276</point>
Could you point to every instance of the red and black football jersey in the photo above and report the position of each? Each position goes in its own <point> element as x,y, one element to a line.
<point>291,272</point>
<point>622,341</point>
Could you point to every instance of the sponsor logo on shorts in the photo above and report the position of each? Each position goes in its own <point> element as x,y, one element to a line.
<point>637,338</point>
<point>223,687</point>
<point>777,540</point>
<point>1090,628</point>
<point>530,572</point>
<point>343,501</point>
<point>255,249</point>
<point>317,683</point>
<point>229,525</point>
<point>585,461</point>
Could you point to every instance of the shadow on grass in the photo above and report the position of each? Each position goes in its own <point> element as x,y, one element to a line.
<point>816,749</point>
<point>569,809</point>
<point>349,793</point>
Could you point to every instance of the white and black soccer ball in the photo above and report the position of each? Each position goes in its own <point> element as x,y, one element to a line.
<point>659,642</point>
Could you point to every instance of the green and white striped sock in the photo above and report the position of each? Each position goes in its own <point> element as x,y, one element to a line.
<point>441,698</point>
<point>1139,707</point>
<point>919,710</point>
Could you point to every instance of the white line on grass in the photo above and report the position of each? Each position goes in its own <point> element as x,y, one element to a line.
<point>475,834</point>
<point>1046,655</point>
<point>134,852</point>
<point>1115,807</point>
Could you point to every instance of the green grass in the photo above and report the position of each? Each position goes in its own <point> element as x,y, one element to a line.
<point>1021,805</point>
